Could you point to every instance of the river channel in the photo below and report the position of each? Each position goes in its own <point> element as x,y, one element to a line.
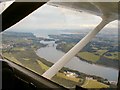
<point>51,54</point>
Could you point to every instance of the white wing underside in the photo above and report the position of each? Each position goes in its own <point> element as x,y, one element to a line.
<point>102,9</point>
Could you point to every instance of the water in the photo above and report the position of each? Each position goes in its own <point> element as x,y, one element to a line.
<point>51,54</point>
<point>45,33</point>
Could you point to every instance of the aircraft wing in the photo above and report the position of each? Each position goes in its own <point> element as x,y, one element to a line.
<point>106,9</point>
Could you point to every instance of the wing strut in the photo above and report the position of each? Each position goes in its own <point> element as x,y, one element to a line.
<point>71,53</point>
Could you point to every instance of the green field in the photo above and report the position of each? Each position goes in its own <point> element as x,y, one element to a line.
<point>18,49</point>
<point>100,52</point>
<point>93,55</point>
<point>88,56</point>
<point>113,55</point>
<point>30,60</point>
<point>10,57</point>
<point>43,66</point>
<point>90,83</point>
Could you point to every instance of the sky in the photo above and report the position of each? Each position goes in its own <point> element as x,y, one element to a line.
<point>55,18</point>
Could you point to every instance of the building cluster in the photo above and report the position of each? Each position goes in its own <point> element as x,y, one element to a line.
<point>70,74</point>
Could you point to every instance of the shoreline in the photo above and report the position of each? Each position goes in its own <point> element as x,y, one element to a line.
<point>81,60</point>
<point>90,62</point>
<point>74,70</point>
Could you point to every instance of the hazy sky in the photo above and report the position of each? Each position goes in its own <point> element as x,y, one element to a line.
<point>50,17</point>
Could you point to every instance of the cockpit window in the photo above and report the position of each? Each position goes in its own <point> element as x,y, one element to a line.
<point>43,37</point>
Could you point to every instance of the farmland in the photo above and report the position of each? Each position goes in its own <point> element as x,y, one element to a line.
<point>21,49</point>
<point>99,51</point>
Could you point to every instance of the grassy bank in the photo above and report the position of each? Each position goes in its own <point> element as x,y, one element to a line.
<point>97,56</point>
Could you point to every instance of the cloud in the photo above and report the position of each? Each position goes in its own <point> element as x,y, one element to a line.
<point>50,17</point>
